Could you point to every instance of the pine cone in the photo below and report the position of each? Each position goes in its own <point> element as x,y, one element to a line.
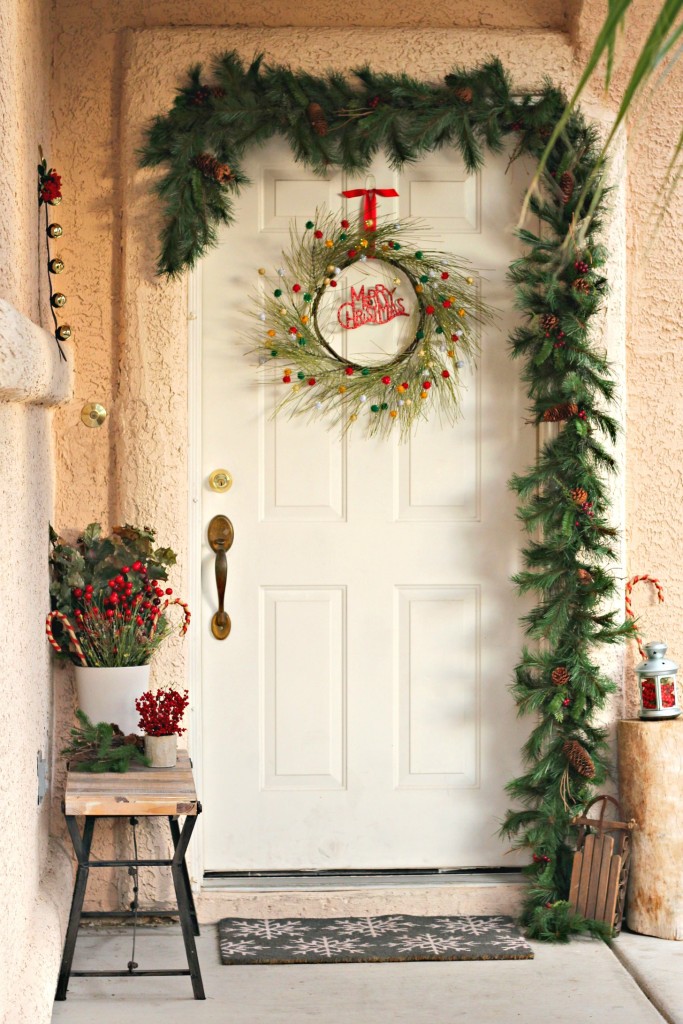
<point>316,116</point>
<point>567,186</point>
<point>579,495</point>
<point>560,412</point>
<point>582,285</point>
<point>200,96</point>
<point>584,576</point>
<point>549,322</point>
<point>464,93</point>
<point>579,758</point>
<point>560,676</point>
<point>212,168</point>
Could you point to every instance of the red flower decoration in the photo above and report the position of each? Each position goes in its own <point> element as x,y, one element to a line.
<point>50,187</point>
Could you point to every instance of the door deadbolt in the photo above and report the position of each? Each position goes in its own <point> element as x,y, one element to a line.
<point>220,480</point>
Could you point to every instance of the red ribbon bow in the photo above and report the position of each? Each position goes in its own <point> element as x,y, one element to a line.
<point>369,202</point>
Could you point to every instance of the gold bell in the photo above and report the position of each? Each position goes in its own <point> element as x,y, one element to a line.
<point>56,265</point>
<point>63,333</point>
<point>55,230</point>
<point>58,300</point>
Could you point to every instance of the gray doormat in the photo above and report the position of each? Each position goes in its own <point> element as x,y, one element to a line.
<point>357,940</point>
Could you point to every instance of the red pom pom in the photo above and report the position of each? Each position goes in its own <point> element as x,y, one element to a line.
<point>429,310</point>
<point>351,253</point>
<point>333,284</point>
<point>445,374</point>
<point>318,233</point>
<point>405,384</point>
<point>293,330</point>
<point>447,304</point>
<point>286,379</point>
<point>345,224</point>
<point>444,276</point>
<point>311,381</point>
<point>349,371</point>
<point>426,384</point>
<point>296,287</point>
<point>454,337</point>
<point>386,380</point>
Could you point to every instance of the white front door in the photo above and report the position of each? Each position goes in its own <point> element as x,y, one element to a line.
<point>358,715</point>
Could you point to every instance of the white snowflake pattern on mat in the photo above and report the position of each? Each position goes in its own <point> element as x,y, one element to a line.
<point>267,929</point>
<point>477,926</point>
<point>240,947</point>
<point>372,926</point>
<point>321,945</point>
<point>434,944</point>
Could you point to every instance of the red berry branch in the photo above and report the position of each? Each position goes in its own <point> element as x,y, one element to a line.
<point>162,712</point>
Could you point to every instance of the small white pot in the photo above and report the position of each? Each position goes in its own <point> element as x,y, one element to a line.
<point>109,694</point>
<point>162,751</point>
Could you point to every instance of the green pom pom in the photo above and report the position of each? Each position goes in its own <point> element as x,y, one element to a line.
<point>343,236</point>
<point>375,408</point>
<point>273,352</point>
<point>419,255</point>
<point>310,224</point>
<point>307,296</point>
<point>397,245</point>
<point>385,405</point>
<point>365,371</point>
<point>424,279</point>
<point>439,330</point>
<point>277,293</point>
<point>301,374</point>
<point>419,336</point>
<point>302,341</point>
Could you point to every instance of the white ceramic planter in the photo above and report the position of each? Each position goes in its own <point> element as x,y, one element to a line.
<point>162,751</point>
<point>109,694</point>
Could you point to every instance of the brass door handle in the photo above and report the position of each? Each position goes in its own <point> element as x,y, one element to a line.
<point>221,535</point>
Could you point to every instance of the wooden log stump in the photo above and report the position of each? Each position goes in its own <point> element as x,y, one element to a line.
<point>651,791</point>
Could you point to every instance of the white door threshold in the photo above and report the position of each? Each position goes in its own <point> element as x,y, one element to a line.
<point>360,895</point>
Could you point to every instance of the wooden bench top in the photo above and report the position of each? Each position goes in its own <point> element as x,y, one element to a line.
<point>139,791</point>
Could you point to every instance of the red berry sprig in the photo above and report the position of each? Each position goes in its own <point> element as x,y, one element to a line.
<point>162,712</point>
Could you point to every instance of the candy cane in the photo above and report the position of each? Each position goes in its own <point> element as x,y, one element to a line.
<point>629,608</point>
<point>187,615</point>
<point>69,632</point>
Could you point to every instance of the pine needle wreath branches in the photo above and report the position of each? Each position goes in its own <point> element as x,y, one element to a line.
<point>559,288</point>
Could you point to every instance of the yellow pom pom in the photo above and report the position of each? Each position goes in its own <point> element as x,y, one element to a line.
<point>400,389</point>
<point>393,414</point>
<point>461,312</point>
<point>296,387</point>
<point>409,401</point>
<point>451,353</point>
<point>304,319</point>
<point>283,311</point>
<point>385,247</point>
<point>363,243</point>
<point>419,288</point>
<point>262,271</point>
<point>470,280</point>
<point>329,244</point>
<point>288,372</point>
<point>423,394</point>
<point>341,389</point>
<point>326,281</point>
<point>271,333</point>
<point>330,268</point>
<point>353,417</point>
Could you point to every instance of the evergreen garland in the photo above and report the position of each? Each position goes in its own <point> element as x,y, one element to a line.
<point>559,285</point>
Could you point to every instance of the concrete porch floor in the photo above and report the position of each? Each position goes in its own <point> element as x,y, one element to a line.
<point>584,980</point>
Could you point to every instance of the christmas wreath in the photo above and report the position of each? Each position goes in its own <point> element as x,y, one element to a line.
<point>559,283</point>
<point>441,330</point>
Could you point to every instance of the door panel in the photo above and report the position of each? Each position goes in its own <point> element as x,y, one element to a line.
<point>358,714</point>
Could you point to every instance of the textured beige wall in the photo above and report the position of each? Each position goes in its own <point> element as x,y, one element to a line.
<point>35,872</point>
<point>654,412</point>
<point>130,334</point>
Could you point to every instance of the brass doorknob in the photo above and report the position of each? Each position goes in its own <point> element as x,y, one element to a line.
<point>221,536</point>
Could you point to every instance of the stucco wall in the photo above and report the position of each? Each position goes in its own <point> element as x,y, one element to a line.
<point>130,329</point>
<point>35,870</point>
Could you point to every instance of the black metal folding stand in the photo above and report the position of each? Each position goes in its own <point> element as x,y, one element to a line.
<point>186,911</point>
